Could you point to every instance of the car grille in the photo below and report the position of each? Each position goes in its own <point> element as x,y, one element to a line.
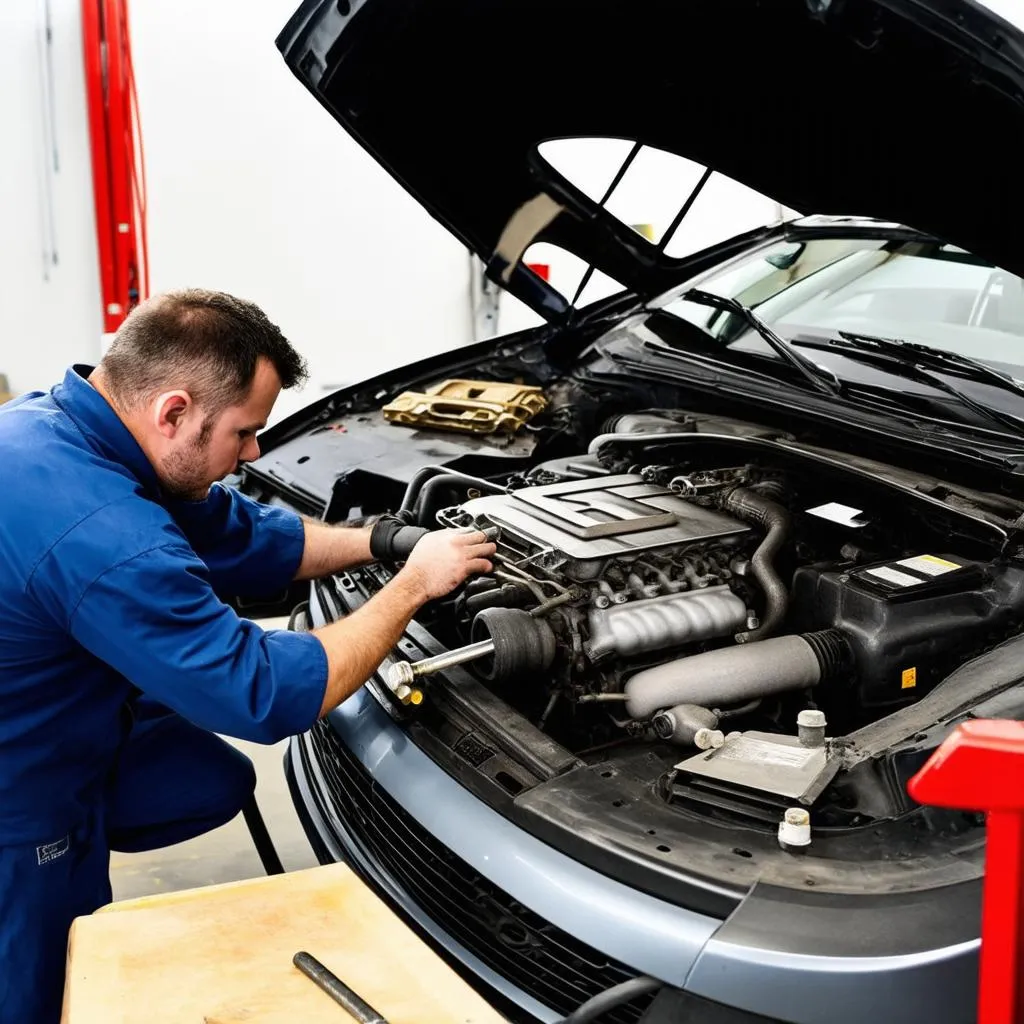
<point>556,969</point>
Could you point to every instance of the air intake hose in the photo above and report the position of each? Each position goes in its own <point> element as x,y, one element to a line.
<point>774,520</point>
<point>732,675</point>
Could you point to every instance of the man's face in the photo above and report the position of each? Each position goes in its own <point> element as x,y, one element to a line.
<point>206,448</point>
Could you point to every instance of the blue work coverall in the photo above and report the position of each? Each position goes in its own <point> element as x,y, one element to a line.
<point>118,664</point>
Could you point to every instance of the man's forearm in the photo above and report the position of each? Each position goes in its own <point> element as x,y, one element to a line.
<point>332,548</point>
<point>358,643</point>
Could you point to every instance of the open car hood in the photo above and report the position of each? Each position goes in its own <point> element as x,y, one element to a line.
<point>902,110</point>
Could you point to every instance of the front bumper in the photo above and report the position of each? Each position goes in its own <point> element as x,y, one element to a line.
<point>400,834</point>
<point>415,826</point>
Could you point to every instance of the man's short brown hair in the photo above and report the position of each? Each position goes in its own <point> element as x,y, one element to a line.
<point>203,341</point>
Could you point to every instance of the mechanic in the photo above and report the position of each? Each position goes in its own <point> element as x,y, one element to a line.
<point>119,662</point>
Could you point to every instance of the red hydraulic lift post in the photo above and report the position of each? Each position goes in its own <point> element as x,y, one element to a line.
<point>980,767</point>
<point>118,175</point>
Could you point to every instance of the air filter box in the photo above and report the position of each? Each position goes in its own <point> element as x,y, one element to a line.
<point>910,621</point>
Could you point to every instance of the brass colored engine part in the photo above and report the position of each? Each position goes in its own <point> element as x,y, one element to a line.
<point>469,406</point>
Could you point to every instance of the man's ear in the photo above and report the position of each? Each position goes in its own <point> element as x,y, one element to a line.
<point>170,410</point>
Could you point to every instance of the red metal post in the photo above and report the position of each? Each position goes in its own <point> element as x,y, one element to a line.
<point>113,116</point>
<point>93,46</point>
<point>980,767</point>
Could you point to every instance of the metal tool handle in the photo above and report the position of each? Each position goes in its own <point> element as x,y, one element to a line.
<point>404,672</point>
<point>337,989</point>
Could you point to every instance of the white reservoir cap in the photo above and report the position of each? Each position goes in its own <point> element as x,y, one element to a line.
<point>795,828</point>
<point>705,739</point>
<point>811,719</point>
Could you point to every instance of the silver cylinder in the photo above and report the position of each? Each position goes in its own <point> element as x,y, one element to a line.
<point>666,621</point>
<point>727,676</point>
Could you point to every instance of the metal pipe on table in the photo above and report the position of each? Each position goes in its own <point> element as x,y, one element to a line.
<point>337,989</point>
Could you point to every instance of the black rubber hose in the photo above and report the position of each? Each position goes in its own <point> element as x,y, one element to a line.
<point>423,509</point>
<point>774,519</point>
<point>411,498</point>
<point>611,998</point>
<point>412,491</point>
<point>298,621</point>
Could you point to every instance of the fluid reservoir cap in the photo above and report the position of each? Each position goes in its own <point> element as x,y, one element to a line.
<point>811,719</point>
<point>795,828</point>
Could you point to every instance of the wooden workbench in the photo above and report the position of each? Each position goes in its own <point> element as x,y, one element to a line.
<point>223,955</point>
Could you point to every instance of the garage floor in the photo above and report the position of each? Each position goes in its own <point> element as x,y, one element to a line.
<point>226,854</point>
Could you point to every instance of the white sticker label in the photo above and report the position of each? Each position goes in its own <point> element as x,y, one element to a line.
<point>842,514</point>
<point>764,752</point>
<point>900,579</point>
<point>929,564</point>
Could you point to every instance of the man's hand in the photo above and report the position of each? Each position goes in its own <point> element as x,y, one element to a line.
<point>442,559</point>
<point>357,644</point>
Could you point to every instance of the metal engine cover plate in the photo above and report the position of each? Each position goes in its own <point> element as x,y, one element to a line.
<point>590,521</point>
<point>766,762</point>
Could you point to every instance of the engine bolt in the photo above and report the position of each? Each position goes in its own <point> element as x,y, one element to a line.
<point>601,601</point>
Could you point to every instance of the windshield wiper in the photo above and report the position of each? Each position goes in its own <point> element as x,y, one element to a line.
<point>821,379</point>
<point>922,360</point>
<point>937,358</point>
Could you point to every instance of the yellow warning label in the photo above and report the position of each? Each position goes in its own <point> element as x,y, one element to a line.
<point>944,562</point>
<point>929,565</point>
<point>909,679</point>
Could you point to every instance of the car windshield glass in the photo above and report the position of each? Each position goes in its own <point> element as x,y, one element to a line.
<point>917,291</point>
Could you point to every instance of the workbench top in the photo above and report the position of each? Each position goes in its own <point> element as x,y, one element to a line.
<point>222,954</point>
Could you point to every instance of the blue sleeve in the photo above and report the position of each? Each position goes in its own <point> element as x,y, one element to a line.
<point>154,618</point>
<point>251,549</point>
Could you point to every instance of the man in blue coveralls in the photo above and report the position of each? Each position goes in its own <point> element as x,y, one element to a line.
<point>118,660</point>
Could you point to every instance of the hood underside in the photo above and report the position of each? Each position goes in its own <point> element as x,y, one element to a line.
<point>903,110</point>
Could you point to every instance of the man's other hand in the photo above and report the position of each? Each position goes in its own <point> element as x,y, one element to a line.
<point>444,558</point>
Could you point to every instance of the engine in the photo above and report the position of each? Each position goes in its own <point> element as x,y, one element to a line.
<point>652,569</point>
<point>671,603</point>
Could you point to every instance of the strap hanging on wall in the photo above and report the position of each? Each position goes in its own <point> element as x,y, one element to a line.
<point>118,165</point>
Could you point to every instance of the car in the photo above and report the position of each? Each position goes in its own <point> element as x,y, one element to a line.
<point>758,508</point>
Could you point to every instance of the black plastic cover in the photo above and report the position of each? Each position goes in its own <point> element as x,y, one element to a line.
<point>911,621</point>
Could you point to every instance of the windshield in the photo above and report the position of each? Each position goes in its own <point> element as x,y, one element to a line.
<point>916,291</point>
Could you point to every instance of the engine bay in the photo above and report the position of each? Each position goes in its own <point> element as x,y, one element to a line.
<point>694,623</point>
<point>740,613</point>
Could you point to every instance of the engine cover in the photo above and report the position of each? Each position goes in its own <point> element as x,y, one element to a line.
<point>580,524</point>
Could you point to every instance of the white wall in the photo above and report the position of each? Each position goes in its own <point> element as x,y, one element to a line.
<point>252,189</point>
<point>255,190</point>
<point>1011,10</point>
<point>49,314</point>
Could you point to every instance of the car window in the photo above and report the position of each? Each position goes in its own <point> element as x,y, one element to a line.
<point>917,291</point>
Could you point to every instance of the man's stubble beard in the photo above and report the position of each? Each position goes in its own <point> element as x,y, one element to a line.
<point>185,472</point>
